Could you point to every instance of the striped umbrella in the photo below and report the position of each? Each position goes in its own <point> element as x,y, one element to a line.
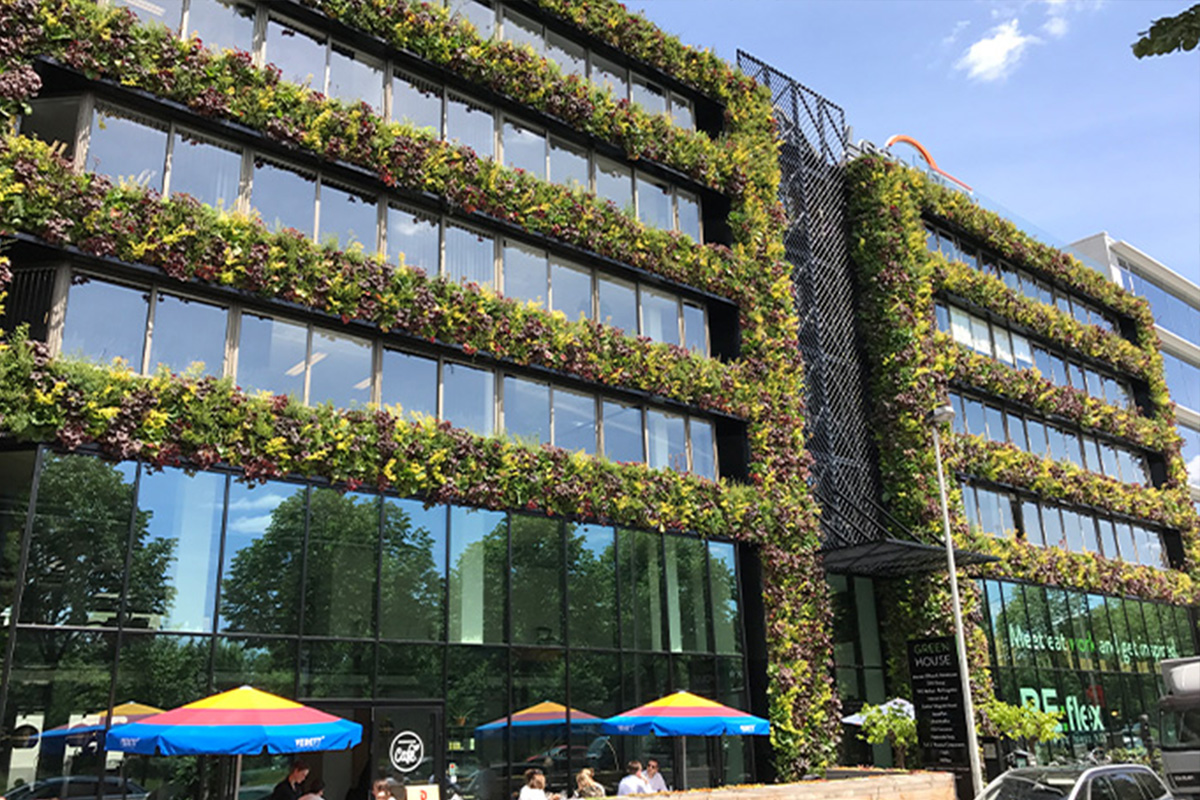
<point>685,714</point>
<point>545,714</point>
<point>239,722</point>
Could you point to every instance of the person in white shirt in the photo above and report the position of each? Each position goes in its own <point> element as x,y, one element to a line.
<point>633,783</point>
<point>535,786</point>
<point>654,777</point>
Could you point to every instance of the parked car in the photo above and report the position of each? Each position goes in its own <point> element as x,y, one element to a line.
<point>1105,782</point>
<point>77,787</point>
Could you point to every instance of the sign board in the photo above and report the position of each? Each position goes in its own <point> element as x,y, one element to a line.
<point>429,791</point>
<point>938,703</point>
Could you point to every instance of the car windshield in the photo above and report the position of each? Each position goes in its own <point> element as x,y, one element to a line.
<point>1031,786</point>
<point>1181,729</point>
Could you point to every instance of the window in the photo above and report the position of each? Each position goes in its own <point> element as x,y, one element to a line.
<point>127,148</point>
<point>614,183</point>
<point>571,290</point>
<point>526,274</point>
<point>222,23</point>
<point>272,356</point>
<point>570,57</point>
<point>527,410</point>
<point>470,125</point>
<point>284,197</point>
<point>417,103</point>
<point>623,433</point>
<point>414,239</point>
<point>574,421</point>
<point>105,321</point>
<point>468,397</point>
<point>523,32</point>
<point>355,78</point>
<point>479,13</point>
<point>409,381</point>
<point>618,304</point>
<point>568,165</point>
<point>524,149</point>
<point>470,256</point>
<point>347,218</point>
<point>340,370</point>
<point>660,317</point>
<point>165,12</point>
<point>667,441</point>
<point>186,332</point>
<point>300,55</point>
<point>208,171</point>
<point>654,204</point>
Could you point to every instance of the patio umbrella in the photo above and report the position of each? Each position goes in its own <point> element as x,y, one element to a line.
<point>239,722</point>
<point>79,732</point>
<point>685,714</point>
<point>543,715</point>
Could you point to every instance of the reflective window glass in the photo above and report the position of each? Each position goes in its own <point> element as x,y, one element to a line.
<point>618,304</point>
<point>468,397</point>
<point>703,448</point>
<point>183,533</point>
<point>570,57</point>
<point>284,197</point>
<point>571,290</point>
<point>695,332</point>
<point>1016,432</point>
<point>470,256</point>
<point>960,327</point>
<point>222,23</point>
<point>525,273</point>
<point>959,423</point>
<point>412,595</point>
<point>264,536</point>
<point>639,568</point>
<point>608,75</point>
<point>341,571</point>
<point>272,355</point>
<point>524,149</point>
<point>1031,523</point>
<point>188,332</point>
<point>574,421</point>
<point>1125,544</point>
<point>470,125</point>
<point>623,433</point>
<point>479,13</point>
<point>209,172</point>
<point>127,149</point>
<point>417,103</point>
<point>478,574</point>
<point>615,183</point>
<point>568,165</point>
<point>1022,352</point>
<point>649,96</point>
<point>537,558</point>
<point>354,78</point>
<point>722,568</point>
<point>105,321</point>
<point>347,218</point>
<point>654,204</point>
<point>685,576</point>
<point>591,578</point>
<point>1109,458</point>
<point>689,215</point>
<point>166,12</point>
<point>299,55</point>
<point>341,370</point>
<point>981,339</point>
<point>527,410</point>
<point>522,31</point>
<point>660,316</point>
<point>1037,437</point>
<point>976,420</point>
<point>1052,527</point>
<point>409,381</point>
<point>666,439</point>
<point>1004,351</point>
<point>682,113</point>
<point>413,238</point>
<point>995,424</point>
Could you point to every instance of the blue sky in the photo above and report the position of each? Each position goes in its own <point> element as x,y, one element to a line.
<point>1039,105</point>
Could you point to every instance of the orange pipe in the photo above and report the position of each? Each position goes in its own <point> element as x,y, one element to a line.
<point>920,148</point>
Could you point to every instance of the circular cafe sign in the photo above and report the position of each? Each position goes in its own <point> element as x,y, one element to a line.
<point>406,751</point>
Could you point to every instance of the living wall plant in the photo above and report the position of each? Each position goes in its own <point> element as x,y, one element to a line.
<point>914,365</point>
<point>197,422</point>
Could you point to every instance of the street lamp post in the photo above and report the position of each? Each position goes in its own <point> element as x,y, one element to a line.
<point>937,417</point>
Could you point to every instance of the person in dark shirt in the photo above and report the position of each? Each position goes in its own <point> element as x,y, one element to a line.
<point>291,787</point>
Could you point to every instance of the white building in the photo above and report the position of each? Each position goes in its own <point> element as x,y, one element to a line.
<point>1176,304</point>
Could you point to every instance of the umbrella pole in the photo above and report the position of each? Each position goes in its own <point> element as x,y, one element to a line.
<point>237,777</point>
<point>683,772</point>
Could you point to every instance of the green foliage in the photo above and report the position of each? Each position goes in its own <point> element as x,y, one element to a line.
<point>1169,34</point>
<point>887,723</point>
<point>1026,721</point>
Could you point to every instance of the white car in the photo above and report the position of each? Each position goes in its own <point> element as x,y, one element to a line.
<point>1105,782</point>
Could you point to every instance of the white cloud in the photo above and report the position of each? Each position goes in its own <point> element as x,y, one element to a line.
<point>257,502</point>
<point>1055,27</point>
<point>993,57</point>
<point>952,37</point>
<point>253,525</point>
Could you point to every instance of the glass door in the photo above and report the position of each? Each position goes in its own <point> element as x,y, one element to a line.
<point>407,750</point>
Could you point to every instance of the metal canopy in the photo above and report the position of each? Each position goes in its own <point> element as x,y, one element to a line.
<point>894,558</point>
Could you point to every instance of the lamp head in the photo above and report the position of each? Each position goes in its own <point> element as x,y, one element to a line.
<point>943,413</point>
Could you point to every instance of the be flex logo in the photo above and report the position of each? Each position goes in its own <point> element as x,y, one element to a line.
<point>406,751</point>
<point>1082,716</point>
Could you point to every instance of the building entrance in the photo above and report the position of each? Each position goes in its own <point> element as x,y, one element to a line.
<point>402,744</point>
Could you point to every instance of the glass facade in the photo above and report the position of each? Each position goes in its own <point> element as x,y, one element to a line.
<point>1170,311</point>
<point>179,585</point>
<point>1093,657</point>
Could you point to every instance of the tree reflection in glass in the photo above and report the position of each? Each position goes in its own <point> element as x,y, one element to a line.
<point>592,585</point>
<point>413,572</point>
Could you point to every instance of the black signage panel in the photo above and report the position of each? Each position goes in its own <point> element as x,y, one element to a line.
<point>938,703</point>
